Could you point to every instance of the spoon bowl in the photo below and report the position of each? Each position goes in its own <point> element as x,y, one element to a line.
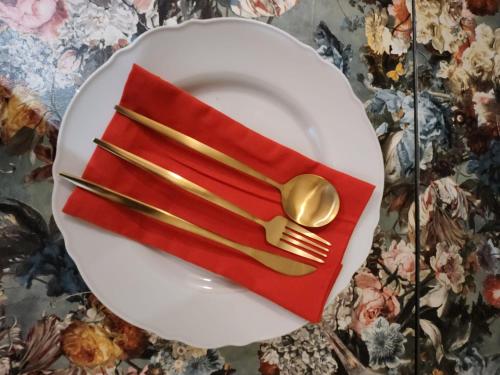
<point>310,200</point>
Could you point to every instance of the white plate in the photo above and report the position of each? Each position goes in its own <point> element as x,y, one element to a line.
<point>261,77</point>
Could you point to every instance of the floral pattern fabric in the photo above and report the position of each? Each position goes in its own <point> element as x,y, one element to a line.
<point>50,323</point>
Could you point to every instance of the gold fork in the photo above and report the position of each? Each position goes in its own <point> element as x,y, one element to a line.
<point>280,231</point>
<point>275,262</point>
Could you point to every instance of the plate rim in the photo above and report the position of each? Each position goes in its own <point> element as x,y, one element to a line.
<point>173,28</point>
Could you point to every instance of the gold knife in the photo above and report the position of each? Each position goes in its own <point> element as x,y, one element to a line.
<point>275,262</point>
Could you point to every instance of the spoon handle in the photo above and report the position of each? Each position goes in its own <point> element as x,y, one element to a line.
<point>195,145</point>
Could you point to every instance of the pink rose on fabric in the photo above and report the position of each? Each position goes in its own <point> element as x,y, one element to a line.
<point>143,6</point>
<point>448,268</point>
<point>373,301</point>
<point>400,257</point>
<point>40,17</point>
<point>68,62</point>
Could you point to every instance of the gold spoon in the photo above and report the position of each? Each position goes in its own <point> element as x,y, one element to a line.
<point>307,199</point>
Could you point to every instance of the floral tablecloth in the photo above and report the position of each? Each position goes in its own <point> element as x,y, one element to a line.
<point>52,324</point>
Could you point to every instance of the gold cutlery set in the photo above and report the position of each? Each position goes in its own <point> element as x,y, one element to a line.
<point>307,199</point>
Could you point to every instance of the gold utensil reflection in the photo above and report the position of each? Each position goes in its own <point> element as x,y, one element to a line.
<point>277,263</point>
<point>307,199</point>
<point>280,231</point>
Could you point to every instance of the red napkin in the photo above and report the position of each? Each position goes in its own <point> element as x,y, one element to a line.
<point>155,98</point>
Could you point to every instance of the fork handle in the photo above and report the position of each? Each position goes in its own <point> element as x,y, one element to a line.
<point>177,180</point>
<point>196,145</point>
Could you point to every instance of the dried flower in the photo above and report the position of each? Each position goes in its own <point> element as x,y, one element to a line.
<point>131,340</point>
<point>23,109</point>
<point>88,345</point>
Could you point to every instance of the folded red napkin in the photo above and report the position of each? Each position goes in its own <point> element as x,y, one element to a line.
<point>155,98</point>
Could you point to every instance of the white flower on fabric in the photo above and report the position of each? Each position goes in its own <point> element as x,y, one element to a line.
<point>484,34</point>
<point>448,268</point>
<point>91,24</point>
<point>439,23</point>
<point>427,15</point>
<point>400,258</point>
<point>399,46</point>
<point>378,36</point>
<point>477,60</point>
<point>456,75</point>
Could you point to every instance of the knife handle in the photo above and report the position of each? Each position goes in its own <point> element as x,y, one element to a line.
<point>275,262</point>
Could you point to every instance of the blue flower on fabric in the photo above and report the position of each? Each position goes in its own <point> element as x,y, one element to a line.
<point>332,49</point>
<point>487,167</point>
<point>401,107</point>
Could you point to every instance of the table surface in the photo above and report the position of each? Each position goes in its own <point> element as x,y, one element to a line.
<point>52,323</point>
